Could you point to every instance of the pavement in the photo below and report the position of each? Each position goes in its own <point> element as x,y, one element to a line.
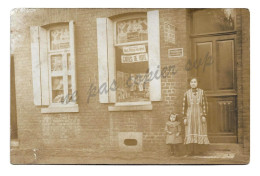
<point>83,156</point>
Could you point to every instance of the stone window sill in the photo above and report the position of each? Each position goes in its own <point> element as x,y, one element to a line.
<point>60,108</point>
<point>131,106</point>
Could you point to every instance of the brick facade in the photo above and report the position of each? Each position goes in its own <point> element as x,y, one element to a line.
<point>94,127</point>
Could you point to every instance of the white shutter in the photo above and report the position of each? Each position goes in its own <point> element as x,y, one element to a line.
<point>102,59</point>
<point>36,70</point>
<point>44,66</point>
<point>154,53</point>
<point>111,61</point>
<point>73,58</point>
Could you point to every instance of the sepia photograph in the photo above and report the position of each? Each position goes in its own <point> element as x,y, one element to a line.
<point>130,86</point>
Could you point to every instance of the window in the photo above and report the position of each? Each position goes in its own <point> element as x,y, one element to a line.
<point>60,64</point>
<point>128,50</point>
<point>131,50</point>
<point>53,65</point>
<point>213,20</point>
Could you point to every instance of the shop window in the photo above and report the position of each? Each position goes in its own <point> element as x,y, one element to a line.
<point>128,52</point>
<point>132,66</point>
<point>53,65</point>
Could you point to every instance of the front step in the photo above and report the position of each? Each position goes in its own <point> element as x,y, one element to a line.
<point>231,147</point>
<point>217,155</point>
<point>221,151</point>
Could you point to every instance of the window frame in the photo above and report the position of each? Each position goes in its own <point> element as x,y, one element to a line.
<point>121,45</point>
<point>65,73</point>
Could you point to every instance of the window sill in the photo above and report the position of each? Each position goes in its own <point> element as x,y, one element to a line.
<point>14,143</point>
<point>61,108</point>
<point>131,106</point>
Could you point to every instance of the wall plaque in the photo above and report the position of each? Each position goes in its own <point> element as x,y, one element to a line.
<point>176,52</point>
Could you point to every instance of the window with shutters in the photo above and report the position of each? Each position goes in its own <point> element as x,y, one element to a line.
<point>128,53</point>
<point>53,57</point>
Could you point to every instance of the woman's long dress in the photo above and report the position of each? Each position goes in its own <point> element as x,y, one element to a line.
<point>194,107</point>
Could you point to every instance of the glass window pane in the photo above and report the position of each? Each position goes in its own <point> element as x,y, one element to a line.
<point>213,20</point>
<point>132,30</point>
<point>68,62</point>
<point>132,87</point>
<point>59,38</point>
<point>225,64</point>
<point>56,63</point>
<point>57,89</point>
<point>131,74</point>
<point>68,98</point>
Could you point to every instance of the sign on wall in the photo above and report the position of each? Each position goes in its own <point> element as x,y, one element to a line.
<point>176,52</point>
<point>169,33</point>
<point>134,58</point>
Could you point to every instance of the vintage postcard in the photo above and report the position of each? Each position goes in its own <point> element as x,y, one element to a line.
<point>130,86</point>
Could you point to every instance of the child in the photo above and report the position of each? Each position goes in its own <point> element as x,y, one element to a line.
<point>173,130</point>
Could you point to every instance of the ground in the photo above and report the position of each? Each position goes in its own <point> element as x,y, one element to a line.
<point>82,156</point>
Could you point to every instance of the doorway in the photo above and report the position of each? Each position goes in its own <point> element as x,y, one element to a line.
<point>213,39</point>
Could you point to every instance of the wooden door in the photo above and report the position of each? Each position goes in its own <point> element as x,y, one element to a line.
<point>215,67</point>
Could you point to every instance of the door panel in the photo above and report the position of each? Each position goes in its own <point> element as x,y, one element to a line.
<point>222,119</point>
<point>225,64</point>
<point>203,51</point>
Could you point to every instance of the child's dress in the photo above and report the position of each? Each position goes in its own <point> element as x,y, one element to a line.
<point>174,128</point>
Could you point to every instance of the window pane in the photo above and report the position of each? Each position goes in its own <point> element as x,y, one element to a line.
<point>204,55</point>
<point>57,89</point>
<point>132,87</point>
<point>68,62</point>
<point>56,63</point>
<point>132,30</point>
<point>130,66</point>
<point>69,88</point>
<point>225,65</point>
<point>132,71</point>
<point>69,97</point>
<point>213,20</point>
<point>59,38</point>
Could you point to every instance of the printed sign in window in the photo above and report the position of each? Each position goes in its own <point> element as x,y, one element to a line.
<point>134,49</point>
<point>134,58</point>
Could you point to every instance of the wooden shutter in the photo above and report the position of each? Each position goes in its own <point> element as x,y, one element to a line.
<point>44,66</point>
<point>102,59</point>
<point>73,59</point>
<point>111,61</point>
<point>154,53</point>
<point>36,70</point>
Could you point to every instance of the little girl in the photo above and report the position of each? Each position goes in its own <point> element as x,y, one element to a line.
<point>173,130</point>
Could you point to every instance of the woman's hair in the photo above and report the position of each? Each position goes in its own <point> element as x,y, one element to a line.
<point>193,77</point>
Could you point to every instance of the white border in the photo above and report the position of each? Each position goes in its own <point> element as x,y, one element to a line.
<point>8,169</point>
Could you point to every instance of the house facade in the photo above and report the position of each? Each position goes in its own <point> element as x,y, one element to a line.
<point>106,80</point>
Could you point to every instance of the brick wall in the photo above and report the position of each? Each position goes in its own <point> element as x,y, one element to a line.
<point>94,127</point>
<point>243,78</point>
<point>246,78</point>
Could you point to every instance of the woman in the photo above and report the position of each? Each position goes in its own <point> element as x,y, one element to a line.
<point>195,111</point>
